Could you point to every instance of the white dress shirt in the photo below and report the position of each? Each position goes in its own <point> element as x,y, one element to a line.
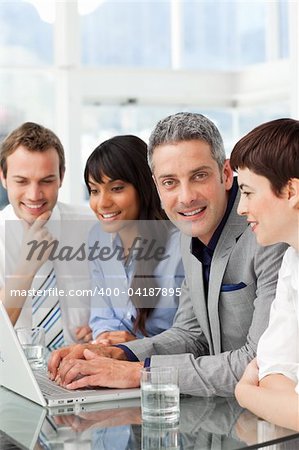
<point>70,225</point>
<point>278,348</point>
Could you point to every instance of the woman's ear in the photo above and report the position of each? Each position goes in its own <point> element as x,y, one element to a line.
<point>293,192</point>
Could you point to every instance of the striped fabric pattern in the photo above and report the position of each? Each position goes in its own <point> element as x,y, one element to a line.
<point>46,312</point>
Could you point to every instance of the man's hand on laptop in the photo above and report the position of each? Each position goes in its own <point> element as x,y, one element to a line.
<point>95,370</point>
<point>76,351</point>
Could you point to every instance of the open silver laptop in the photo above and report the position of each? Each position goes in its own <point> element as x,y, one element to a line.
<point>17,375</point>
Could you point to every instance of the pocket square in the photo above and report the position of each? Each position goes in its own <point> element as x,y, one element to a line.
<point>232,287</point>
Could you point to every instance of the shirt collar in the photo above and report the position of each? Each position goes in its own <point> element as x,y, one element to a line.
<point>198,248</point>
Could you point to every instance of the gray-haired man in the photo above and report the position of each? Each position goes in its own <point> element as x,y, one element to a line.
<point>230,280</point>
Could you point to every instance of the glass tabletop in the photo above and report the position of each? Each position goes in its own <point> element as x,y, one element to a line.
<point>205,424</point>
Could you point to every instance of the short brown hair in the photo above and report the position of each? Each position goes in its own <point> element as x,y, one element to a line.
<point>33,137</point>
<point>270,150</point>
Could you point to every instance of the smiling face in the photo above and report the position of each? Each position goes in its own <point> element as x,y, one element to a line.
<point>113,202</point>
<point>193,192</point>
<point>32,182</point>
<point>273,219</point>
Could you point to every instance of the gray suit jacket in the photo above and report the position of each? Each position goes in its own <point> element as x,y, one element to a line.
<point>213,339</point>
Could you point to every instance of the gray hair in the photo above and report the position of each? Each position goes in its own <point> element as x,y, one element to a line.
<point>186,126</point>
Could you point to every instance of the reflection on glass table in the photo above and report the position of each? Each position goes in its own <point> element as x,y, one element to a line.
<point>205,424</point>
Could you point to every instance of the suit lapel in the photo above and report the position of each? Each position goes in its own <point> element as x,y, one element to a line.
<point>193,271</point>
<point>200,304</point>
<point>232,230</point>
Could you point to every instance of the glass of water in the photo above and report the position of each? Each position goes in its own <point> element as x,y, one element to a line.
<point>32,341</point>
<point>160,396</point>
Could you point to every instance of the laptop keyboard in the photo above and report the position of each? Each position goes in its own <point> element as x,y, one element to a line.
<point>48,386</point>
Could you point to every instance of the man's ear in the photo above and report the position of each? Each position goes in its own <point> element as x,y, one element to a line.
<point>228,175</point>
<point>62,177</point>
<point>3,179</point>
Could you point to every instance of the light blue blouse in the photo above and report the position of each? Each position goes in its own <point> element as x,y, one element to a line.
<point>111,306</point>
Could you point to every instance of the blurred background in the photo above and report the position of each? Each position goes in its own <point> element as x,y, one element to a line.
<point>90,69</point>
